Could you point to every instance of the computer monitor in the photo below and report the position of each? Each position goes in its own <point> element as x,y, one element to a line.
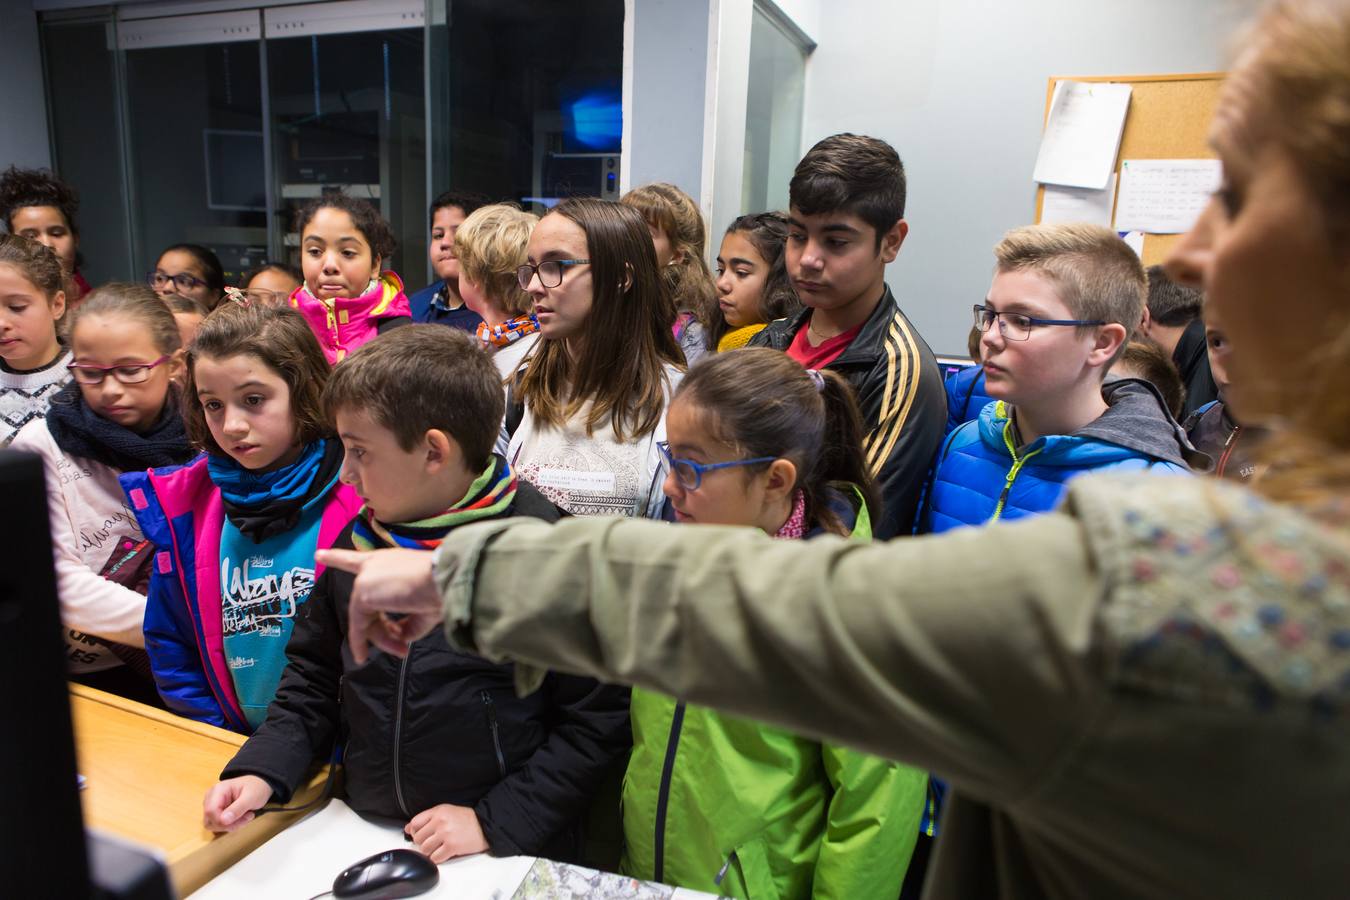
<point>43,851</point>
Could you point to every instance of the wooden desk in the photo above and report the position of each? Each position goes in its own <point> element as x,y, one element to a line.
<point>147,771</point>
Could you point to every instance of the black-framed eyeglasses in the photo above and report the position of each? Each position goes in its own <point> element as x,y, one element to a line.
<point>181,282</point>
<point>550,272</point>
<point>1017,327</point>
<point>690,474</point>
<point>126,374</point>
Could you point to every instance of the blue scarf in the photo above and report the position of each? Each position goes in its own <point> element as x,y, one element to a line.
<point>263,504</point>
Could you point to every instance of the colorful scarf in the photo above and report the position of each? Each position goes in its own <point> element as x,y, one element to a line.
<point>508,332</point>
<point>490,495</point>
<point>795,527</point>
<point>264,504</point>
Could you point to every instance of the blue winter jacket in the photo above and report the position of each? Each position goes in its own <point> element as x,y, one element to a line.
<point>981,475</point>
<point>965,396</point>
<point>428,306</point>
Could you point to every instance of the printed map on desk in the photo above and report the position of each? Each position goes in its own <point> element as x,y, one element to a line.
<point>549,880</point>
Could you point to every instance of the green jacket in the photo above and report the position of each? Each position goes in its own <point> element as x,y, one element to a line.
<point>725,805</point>
<point>1145,694</point>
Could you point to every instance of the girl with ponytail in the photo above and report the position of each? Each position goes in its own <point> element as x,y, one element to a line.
<point>746,809</point>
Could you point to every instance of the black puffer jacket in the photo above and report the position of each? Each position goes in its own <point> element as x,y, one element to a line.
<point>439,727</point>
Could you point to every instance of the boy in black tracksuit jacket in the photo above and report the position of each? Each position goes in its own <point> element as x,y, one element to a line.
<point>438,729</point>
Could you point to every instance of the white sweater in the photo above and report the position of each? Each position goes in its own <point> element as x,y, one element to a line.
<point>24,395</point>
<point>90,522</point>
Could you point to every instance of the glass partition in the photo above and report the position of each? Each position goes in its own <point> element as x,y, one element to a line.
<point>773,115</point>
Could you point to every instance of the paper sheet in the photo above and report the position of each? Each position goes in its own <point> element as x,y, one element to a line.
<point>1165,196</point>
<point>1082,134</point>
<point>1136,241</point>
<point>1070,204</point>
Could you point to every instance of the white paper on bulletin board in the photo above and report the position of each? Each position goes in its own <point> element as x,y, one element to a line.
<point>1070,204</point>
<point>1082,134</point>
<point>1164,196</point>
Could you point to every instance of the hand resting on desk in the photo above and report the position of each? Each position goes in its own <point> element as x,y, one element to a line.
<point>446,831</point>
<point>230,804</point>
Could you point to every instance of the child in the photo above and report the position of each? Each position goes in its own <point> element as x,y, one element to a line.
<point>490,246</point>
<point>592,396</point>
<point>271,283</point>
<point>846,222</point>
<point>1147,361</point>
<point>346,299</point>
<point>752,281</point>
<point>32,360</point>
<point>727,805</point>
<point>1212,428</point>
<point>1173,322</point>
<point>191,270</point>
<point>36,204</point>
<point>1061,307</point>
<point>680,240</point>
<point>965,387</point>
<point>237,528</point>
<point>188,313</point>
<point>120,414</point>
<point>472,767</point>
<point>439,303</point>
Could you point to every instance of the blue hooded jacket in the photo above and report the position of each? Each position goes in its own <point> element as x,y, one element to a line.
<point>982,475</point>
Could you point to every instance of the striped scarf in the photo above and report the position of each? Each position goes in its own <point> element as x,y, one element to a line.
<point>491,494</point>
<point>508,332</point>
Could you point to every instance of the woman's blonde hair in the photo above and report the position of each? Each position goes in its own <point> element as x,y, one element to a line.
<point>1295,68</point>
<point>491,244</point>
<point>688,283</point>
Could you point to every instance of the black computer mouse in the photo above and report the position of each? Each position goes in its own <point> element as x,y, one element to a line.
<point>393,873</point>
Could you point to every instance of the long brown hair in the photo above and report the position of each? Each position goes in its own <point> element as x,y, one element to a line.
<point>282,339</point>
<point>625,341</point>
<point>1296,72</point>
<point>767,232</point>
<point>762,403</point>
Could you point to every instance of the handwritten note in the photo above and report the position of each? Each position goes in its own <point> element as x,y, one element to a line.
<point>1082,134</point>
<point>1070,204</point>
<point>1164,196</point>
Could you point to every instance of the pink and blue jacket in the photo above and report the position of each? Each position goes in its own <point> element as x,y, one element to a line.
<point>345,323</point>
<point>181,512</point>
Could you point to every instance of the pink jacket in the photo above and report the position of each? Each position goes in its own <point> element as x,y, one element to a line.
<point>345,323</point>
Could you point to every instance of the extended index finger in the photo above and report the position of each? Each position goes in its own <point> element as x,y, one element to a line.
<point>346,560</point>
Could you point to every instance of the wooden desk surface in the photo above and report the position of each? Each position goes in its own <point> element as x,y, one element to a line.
<point>147,772</point>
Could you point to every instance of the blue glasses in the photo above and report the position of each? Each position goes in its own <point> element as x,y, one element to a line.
<point>1017,327</point>
<point>689,474</point>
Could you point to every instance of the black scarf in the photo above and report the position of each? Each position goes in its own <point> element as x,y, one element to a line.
<point>272,517</point>
<point>79,431</point>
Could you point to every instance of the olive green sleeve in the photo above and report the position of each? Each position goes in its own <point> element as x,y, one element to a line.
<point>970,653</point>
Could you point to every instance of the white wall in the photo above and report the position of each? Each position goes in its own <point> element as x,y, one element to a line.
<point>958,87</point>
<point>23,108</point>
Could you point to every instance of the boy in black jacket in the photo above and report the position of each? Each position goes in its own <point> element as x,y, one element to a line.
<point>438,740</point>
<point>845,223</point>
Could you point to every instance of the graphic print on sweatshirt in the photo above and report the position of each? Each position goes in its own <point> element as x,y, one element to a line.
<point>262,587</point>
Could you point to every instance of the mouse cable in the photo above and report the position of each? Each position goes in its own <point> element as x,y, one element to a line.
<point>324,894</point>
<point>323,797</point>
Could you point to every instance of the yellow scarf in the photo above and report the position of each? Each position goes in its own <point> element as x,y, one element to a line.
<point>738,337</point>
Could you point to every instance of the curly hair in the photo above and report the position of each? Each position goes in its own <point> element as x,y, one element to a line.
<point>21,188</point>
<point>367,219</point>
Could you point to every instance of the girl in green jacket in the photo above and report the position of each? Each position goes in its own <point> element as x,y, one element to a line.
<point>722,804</point>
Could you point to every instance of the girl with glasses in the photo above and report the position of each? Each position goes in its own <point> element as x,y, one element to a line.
<point>723,804</point>
<point>347,298</point>
<point>119,414</point>
<point>586,411</point>
<point>32,360</point>
<point>190,270</point>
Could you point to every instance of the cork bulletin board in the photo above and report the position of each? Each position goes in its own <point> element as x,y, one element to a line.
<point>1168,118</point>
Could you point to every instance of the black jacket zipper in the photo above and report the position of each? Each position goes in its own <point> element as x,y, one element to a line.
<point>496,735</point>
<point>663,794</point>
<point>398,734</point>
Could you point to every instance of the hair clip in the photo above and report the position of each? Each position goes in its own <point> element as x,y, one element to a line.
<point>238,296</point>
<point>817,379</point>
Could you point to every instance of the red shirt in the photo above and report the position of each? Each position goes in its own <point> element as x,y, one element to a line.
<point>824,353</point>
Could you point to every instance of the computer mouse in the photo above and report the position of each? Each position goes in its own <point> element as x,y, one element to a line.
<point>393,873</point>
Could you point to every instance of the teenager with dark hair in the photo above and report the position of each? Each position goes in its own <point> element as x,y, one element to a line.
<point>191,270</point>
<point>37,205</point>
<point>753,287</point>
<point>439,303</point>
